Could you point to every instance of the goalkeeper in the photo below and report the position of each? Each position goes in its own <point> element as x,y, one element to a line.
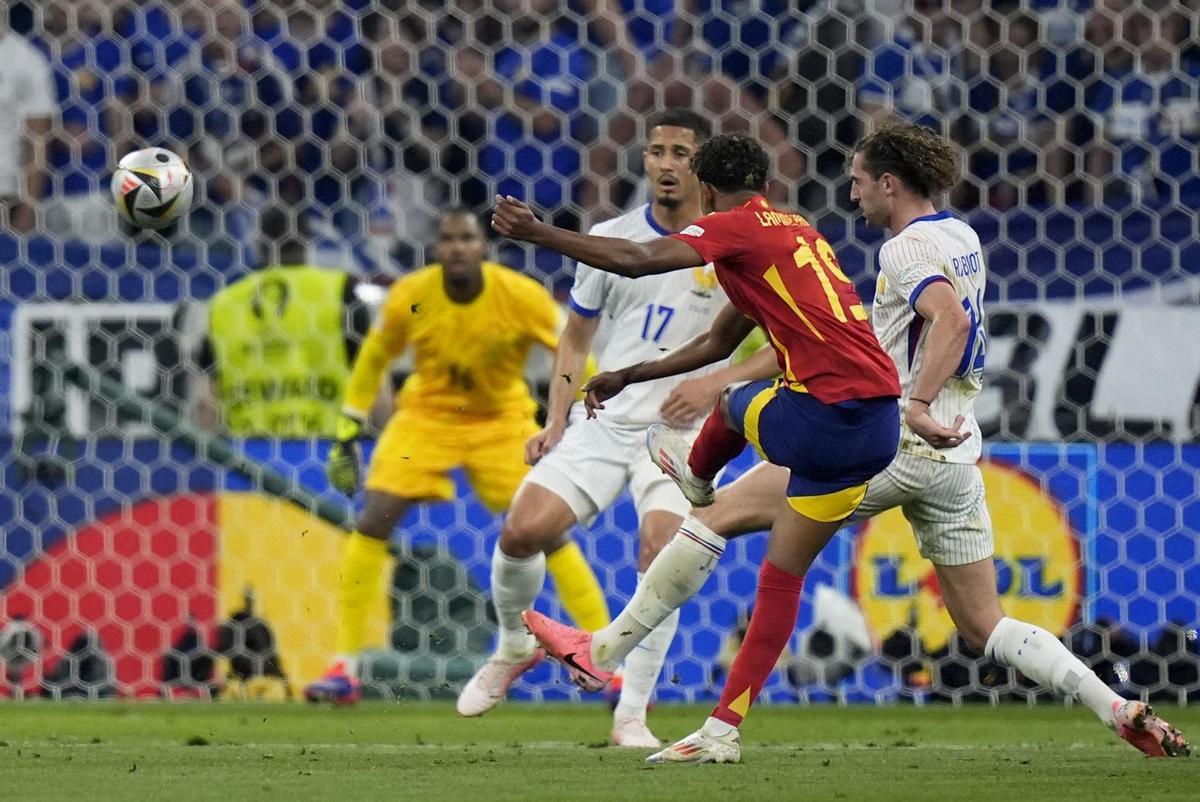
<point>470,324</point>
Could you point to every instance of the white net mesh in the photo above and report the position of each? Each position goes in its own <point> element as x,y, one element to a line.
<point>124,551</point>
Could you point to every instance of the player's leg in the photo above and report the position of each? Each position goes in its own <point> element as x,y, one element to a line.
<point>364,557</point>
<point>411,463</point>
<point>796,540</point>
<point>748,505</point>
<point>677,573</point>
<point>495,466</point>
<point>833,453</point>
<point>643,665</point>
<point>535,521</point>
<point>548,503</point>
<point>694,467</point>
<point>952,523</point>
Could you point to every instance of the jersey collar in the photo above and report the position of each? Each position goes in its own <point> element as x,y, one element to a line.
<point>944,214</point>
<point>758,201</point>
<point>662,232</point>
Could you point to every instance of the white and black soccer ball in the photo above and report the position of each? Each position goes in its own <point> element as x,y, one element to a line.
<point>152,188</point>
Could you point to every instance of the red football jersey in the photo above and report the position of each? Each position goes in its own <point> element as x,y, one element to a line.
<point>780,271</point>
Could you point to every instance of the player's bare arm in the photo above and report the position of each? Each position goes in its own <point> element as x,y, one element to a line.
<point>696,397</point>
<point>515,220</point>
<point>949,327</point>
<point>728,330</point>
<point>570,362</point>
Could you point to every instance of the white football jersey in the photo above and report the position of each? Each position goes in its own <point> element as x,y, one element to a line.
<point>646,316</point>
<point>932,248</point>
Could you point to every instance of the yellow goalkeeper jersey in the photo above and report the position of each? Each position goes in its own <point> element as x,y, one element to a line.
<point>469,359</point>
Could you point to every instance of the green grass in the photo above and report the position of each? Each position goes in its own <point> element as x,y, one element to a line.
<point>423,751</point>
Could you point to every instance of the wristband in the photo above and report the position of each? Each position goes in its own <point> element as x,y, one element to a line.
<point>921,401</point>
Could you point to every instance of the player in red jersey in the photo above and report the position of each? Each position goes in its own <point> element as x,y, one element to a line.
<point>832,420</point>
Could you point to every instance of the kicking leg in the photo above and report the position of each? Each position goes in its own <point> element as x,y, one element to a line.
<point>676,574</point>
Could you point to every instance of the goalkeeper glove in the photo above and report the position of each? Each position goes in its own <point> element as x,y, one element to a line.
<point>342,467</point>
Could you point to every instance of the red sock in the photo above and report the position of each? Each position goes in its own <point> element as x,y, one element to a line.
<point>716,445</point>
<point>776,605</point>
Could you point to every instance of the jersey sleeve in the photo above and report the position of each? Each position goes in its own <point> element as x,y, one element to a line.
<point>383,343</point>
<point>718,236</point>
<point>589,292</point>
<point>910,265</point>
<point>391,329</point>
<point>542,314</point>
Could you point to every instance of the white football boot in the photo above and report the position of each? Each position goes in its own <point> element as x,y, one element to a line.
<point>490,684</point>
<point>1138,724</point>
<point>669,451</point>
<point>715,742</point>
<point>631,731</point>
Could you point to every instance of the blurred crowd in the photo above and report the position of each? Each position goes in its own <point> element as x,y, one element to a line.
<point>370,115</point>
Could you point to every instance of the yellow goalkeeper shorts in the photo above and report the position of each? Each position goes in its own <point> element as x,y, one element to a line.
<point>417,451</point>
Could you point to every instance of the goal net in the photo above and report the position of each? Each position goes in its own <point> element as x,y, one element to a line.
<point>144,554</point>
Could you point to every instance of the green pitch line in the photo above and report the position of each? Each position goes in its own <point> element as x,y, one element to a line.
<point>424,751</point>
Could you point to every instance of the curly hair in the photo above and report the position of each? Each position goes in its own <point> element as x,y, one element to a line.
<point>732,163</point>
<point>924,161</point>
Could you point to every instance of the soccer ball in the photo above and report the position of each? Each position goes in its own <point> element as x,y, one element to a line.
<point>152,188</point>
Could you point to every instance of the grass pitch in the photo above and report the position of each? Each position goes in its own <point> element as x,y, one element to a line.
<point>424,751</point>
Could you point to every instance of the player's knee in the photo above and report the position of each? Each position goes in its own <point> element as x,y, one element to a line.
<point>380,516</point>
<point>723,407</point>
<point>525,535</point>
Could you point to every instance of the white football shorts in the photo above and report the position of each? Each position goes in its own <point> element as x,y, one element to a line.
<point>943,501</point>
<point>594,462</point>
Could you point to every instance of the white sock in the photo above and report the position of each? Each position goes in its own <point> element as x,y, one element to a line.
<point>676,575</point>
<point>1040,656</point>
<point>642,667</point>
<point>516,582</point>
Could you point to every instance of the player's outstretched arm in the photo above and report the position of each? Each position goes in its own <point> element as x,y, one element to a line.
<point>514,219</point>
<point>728,330</point>
<point>694,398</point>
<point>944,344</point>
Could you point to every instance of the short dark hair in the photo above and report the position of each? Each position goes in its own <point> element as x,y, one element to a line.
<point>698,124</point>
<point>462,211</point>
<point>924,161</point>
<point>732,163</point>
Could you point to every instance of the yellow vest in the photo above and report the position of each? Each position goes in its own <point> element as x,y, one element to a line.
<point>278,338</point>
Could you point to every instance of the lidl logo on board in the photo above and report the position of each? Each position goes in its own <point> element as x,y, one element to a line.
<point>1039,573</point>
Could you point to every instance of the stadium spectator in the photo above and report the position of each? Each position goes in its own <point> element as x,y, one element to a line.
<point>915,75</point>
<point>93,85</point>
<point>281,341</point>
<point>1145,105</point>
<point>1008,72</point>
<point>233,109</point>
<point>27,97</point>
<point>402,144</point>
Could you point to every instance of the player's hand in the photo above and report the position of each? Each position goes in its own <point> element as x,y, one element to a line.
<point>513,218</point>
<point>540,444</point>
<point>917,418</point>
<point>690,400</point>
<point>602,387</point>
<point>342,467</point>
